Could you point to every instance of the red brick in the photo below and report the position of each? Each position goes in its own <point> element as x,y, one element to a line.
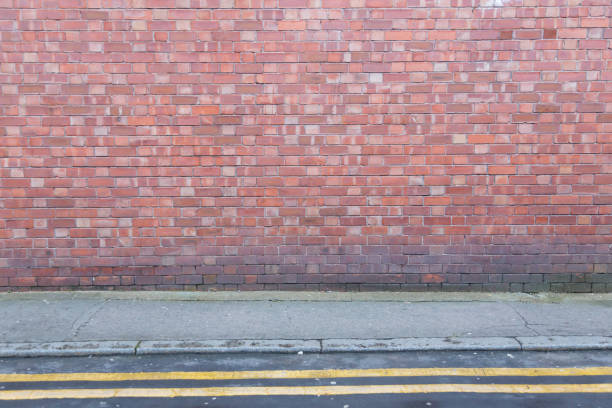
<point>547,108</point>
<point>572,33</point>
<point>292,25</point>
<point>205,110</point>
<point>379,3</point>
<point>502,170</point>
<point>398,35</point>
<point>280,146</point>
<point>441,35</point>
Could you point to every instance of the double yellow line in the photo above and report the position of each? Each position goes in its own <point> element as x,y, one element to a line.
<point>330,373</point>
<point>304,390</point>
<point>297,390</point>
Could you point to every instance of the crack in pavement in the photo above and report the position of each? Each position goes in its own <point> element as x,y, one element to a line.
<point>525,322</point>
<point>519,342</point>
<point>86,317</point>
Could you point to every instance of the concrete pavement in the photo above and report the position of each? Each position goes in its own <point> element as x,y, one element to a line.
<point>81,323</point>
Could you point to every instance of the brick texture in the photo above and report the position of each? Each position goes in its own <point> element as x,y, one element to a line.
<point>306,144</point>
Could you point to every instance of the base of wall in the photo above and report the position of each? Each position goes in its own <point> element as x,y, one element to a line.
<point>560,283</point>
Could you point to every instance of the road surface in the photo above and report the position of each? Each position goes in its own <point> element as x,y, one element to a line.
<point>341,380</point>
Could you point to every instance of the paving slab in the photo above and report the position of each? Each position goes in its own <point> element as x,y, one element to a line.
<point>566,319</point>
<point>129,320</point>
<point>42,319</point>
<point>52,322</point>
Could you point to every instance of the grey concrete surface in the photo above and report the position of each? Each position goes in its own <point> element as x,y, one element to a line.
<point>566,319</point>
<point>229,346</point>
<point>58,349</point>
<point>405,320</point>
<point>423,343</point>
<point>42,319</point>
<point>162,320</point>
<point>565,342</point>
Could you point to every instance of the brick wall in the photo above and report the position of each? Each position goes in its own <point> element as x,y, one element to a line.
<point>306,144</point>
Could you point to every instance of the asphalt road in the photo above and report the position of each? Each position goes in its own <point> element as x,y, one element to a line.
<point>343,380</point>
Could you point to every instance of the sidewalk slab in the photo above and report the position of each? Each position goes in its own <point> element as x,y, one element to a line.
<point>566,319</point>
<point>129,320</point>
<point>78,323</point>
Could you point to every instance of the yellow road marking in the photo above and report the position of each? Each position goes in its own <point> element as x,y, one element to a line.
<point>284,374</point>
<point>314,390</point>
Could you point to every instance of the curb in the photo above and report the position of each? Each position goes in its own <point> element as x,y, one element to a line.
<point>229,346</point>
<point>67,348</point>
<point>147,347</point>
<point>547,343</point>
<point>420,344</point>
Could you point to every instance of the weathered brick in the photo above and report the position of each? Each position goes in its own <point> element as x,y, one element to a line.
<point>302,145</point>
